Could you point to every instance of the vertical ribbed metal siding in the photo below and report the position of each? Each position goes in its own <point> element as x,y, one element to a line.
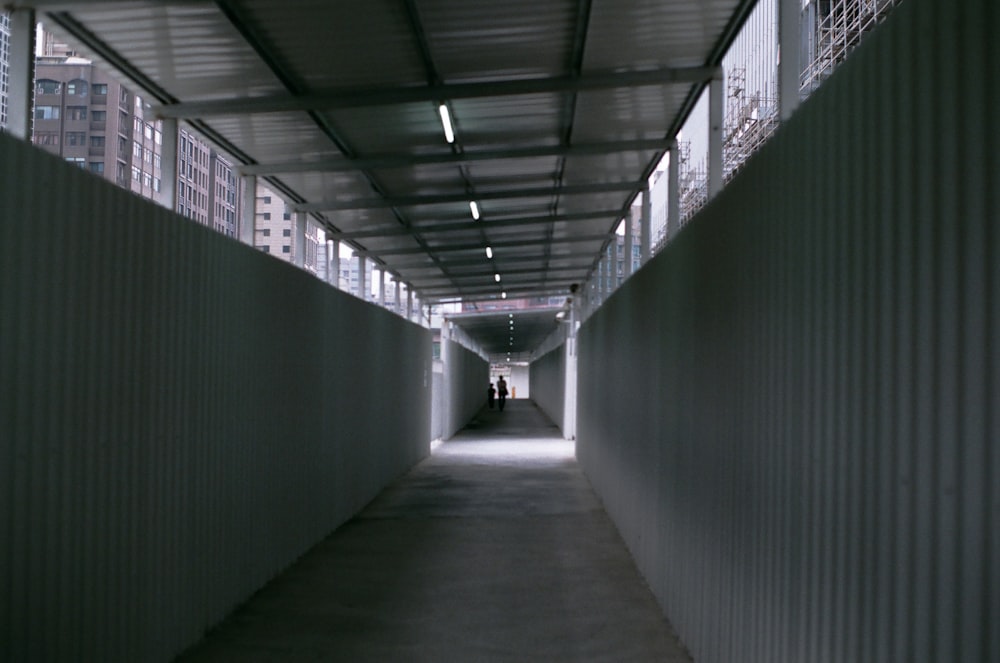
<point>792,412</point>
<point>467,376</point>
<point>180,416</point>
<point>547,376</point>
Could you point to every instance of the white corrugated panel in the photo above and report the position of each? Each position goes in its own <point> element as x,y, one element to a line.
<point>791,412</point>
<point>175,426</point>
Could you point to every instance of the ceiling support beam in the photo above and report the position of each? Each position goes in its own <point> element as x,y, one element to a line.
<point>432,228</point>
<point>362,97</point>
<point>515,288</point>
<point>408,201</point>
<point>469,262</point>
<point>478,246</point>
<point>343,164</point>
<point>457,276</point>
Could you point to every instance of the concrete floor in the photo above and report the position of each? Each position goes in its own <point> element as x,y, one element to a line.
<point>493,549</point>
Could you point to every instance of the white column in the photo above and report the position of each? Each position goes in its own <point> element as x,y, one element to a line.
<point>21,73</point>
<point>569,388</point>
<point>790,52</point>
<point>168,163</point>
<point>409,302</point>
<point>629,244</point>
<point>334,268</point>
<point>396,303</point>
<point>248,213</point>
<point>715,136</point>
<point>300,239</point>
<point>646,225</point>
<point>381,288</point>
<point>362,279</point>
<point>674,192</point>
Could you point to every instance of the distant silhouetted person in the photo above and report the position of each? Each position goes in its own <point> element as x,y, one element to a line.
<point>491,395</point>
<point>502,392</point>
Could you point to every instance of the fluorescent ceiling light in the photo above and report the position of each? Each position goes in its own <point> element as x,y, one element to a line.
<point>489,252</point>
<point>496,277</point>
<point>449,132</point>
<point>472,203</point>
<point>503,295</point>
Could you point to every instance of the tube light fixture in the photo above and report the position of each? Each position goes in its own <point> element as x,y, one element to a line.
<point>473,205</point>
<point>496,277</point>
<point>489,252</point>
<point>449,131</point>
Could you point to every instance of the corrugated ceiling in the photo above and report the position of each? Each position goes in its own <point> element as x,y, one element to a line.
<point>299,85</point>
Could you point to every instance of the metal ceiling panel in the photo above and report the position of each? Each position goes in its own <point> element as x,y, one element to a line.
<point>477,41</point>
<point>337,103</point>
<point>328,44</point>
<point>658,33</point>
<point>188,49</point>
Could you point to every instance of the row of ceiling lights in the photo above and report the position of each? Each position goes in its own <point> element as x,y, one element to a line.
<point>449,135</point>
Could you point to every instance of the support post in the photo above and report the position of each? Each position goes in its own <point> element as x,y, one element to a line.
<point>646,226</point>
<point>21,73</point>
<point>674,192</point>
<point>715,126</point>
<point>168,163</point>
<point>300,239</point>
<point>629,244</point>
<point>790,54</point>
<point>409,302</point>
<point>248,213</point>
<point>381,288</point>
<point>569,388</point>
<point>333,246</point>
<point>362,279</point>
<point>395,302</point>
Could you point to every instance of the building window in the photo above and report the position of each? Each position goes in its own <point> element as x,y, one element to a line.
<point>286,249</point>
<point>136,174</point>
<point>100,89</point>
<point>156,184</point>
<point>287,232</point>
<point>266,216</point>
<point>267,200</point>
<point>46,138</point>
<point>76,112</point>
<point>148,131</point>
<point>77,87</point>
<point>46,112</point>
<point>98,116</point>
<point>45,86</point>
<point>97,141</point>
<point>287,216</point>
<point>97,167</point>
<point>76,138</point>
<point>266,232</point>
<point>77,161</point>
<point>137,151</point>
<point>265,248</point>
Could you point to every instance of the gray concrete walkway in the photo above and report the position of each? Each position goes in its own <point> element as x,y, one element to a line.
<point>493,549</point>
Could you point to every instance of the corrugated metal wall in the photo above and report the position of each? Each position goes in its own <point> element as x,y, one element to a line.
<point>180,416</point>
<point>467,375</point>
<point>548,384</point>
<point>792,412</point>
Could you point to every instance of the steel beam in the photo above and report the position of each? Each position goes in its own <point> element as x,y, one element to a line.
<point>408,201</point>
<point>343,164</point>
<point>362,97</point>
<point>478,246</point>
<point>466,262</point>
<point>432,228</point>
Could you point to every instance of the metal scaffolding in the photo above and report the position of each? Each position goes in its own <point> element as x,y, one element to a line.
<point>837,27</point>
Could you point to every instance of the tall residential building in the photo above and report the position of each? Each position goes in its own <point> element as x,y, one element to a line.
<point>274,230</point>
<point>4,60</point>
<point>91,120</point>
<point>208,187</point>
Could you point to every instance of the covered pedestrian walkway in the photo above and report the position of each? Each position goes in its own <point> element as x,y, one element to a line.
<point>493,549</point>
<point>790,412</point>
